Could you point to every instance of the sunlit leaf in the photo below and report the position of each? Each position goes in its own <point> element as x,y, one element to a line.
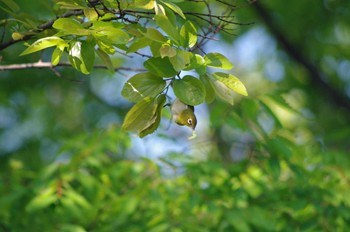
<point>70,26</point>
<point>56,55</point>
<point>170,29</point>
<point>110,33</point>
<point>155,35</point>
<point>82,56</point>
<point>231,82</point>
<point>174,8</point>
<point>43,43</point>
<point>91,14</point>
<point>221,90</point>
<point>143,85</point>
<point>188,34</point>
<point>217,60</point>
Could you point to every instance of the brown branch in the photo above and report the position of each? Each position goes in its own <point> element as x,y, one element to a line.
<point>42,27</point>
<point>318,77</point>
<point>41,64</point>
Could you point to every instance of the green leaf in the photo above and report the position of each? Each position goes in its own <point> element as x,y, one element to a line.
<point>82,56</point>
<point>171,30</point>
<point>221,90</point>
<point>109,33</point>
<point>237,220</point>
<point>143,85</point>
<point>217,60</point>
<point>43,199</point>
<point>160,66</point>
<point>91,14</point>
<point>181,60</point>
<point>155,49</point>
<point>56,55</point>
<point>106,47</point>
<point>188,35</point>
<point>167,50</point>
<point>70,26</point>
<point>155,121</point>
<point>105,59</point>
<point>139,43</point>
<point>142,4</point>
<point>43,43</point>
<point>196,62</point>
<point>72,4</point>
<point>189,90</point>
<point>139,116</point>
<point>231,82</point>
<point>174,8</point>
<point>155,35</point>
<point>209,90</point>
<point>12,5</point>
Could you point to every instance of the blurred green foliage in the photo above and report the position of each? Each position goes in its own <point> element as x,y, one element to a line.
<point>276,161</point>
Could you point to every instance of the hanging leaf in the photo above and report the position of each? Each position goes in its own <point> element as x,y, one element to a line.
<point>105,59</point>
<point>82,56</point>
<point>221,90</point>
<point>143,85</point>
<point>209,90</point>
<point>155,121</point>
<point>56,55</point>
<point>189,90</point>
<point>188,35</point>
<point>174,8</point>
<point>231,82</point>
<point>139,115</point>
<point>171,30</point>
<point>217,60</point>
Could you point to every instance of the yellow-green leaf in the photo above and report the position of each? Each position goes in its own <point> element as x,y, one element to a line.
<point>231,82</point>
<point>43,43</point>
<point>217,60</point>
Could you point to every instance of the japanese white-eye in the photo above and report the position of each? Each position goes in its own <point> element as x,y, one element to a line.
<point>183,114</point>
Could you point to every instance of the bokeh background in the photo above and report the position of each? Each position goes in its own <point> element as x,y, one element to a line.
<point>278,160</point>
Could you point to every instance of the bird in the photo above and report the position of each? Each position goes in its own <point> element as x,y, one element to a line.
<point>183,114</point>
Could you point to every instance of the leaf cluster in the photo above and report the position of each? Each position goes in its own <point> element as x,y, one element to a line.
<point>174,43</point>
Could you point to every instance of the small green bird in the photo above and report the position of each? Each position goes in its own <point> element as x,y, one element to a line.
<point>183,114</point>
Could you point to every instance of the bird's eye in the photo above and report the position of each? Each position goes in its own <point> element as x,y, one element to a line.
<point>189,121</point>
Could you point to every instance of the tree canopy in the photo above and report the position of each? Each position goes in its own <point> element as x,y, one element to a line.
<point>85,138</point>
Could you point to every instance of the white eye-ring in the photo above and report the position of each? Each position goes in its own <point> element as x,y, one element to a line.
<point>189,121</point>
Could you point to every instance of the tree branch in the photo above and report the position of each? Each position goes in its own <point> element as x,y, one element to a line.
<point>42,27</point>
<point>41,64</point>
<point>318,78</point>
